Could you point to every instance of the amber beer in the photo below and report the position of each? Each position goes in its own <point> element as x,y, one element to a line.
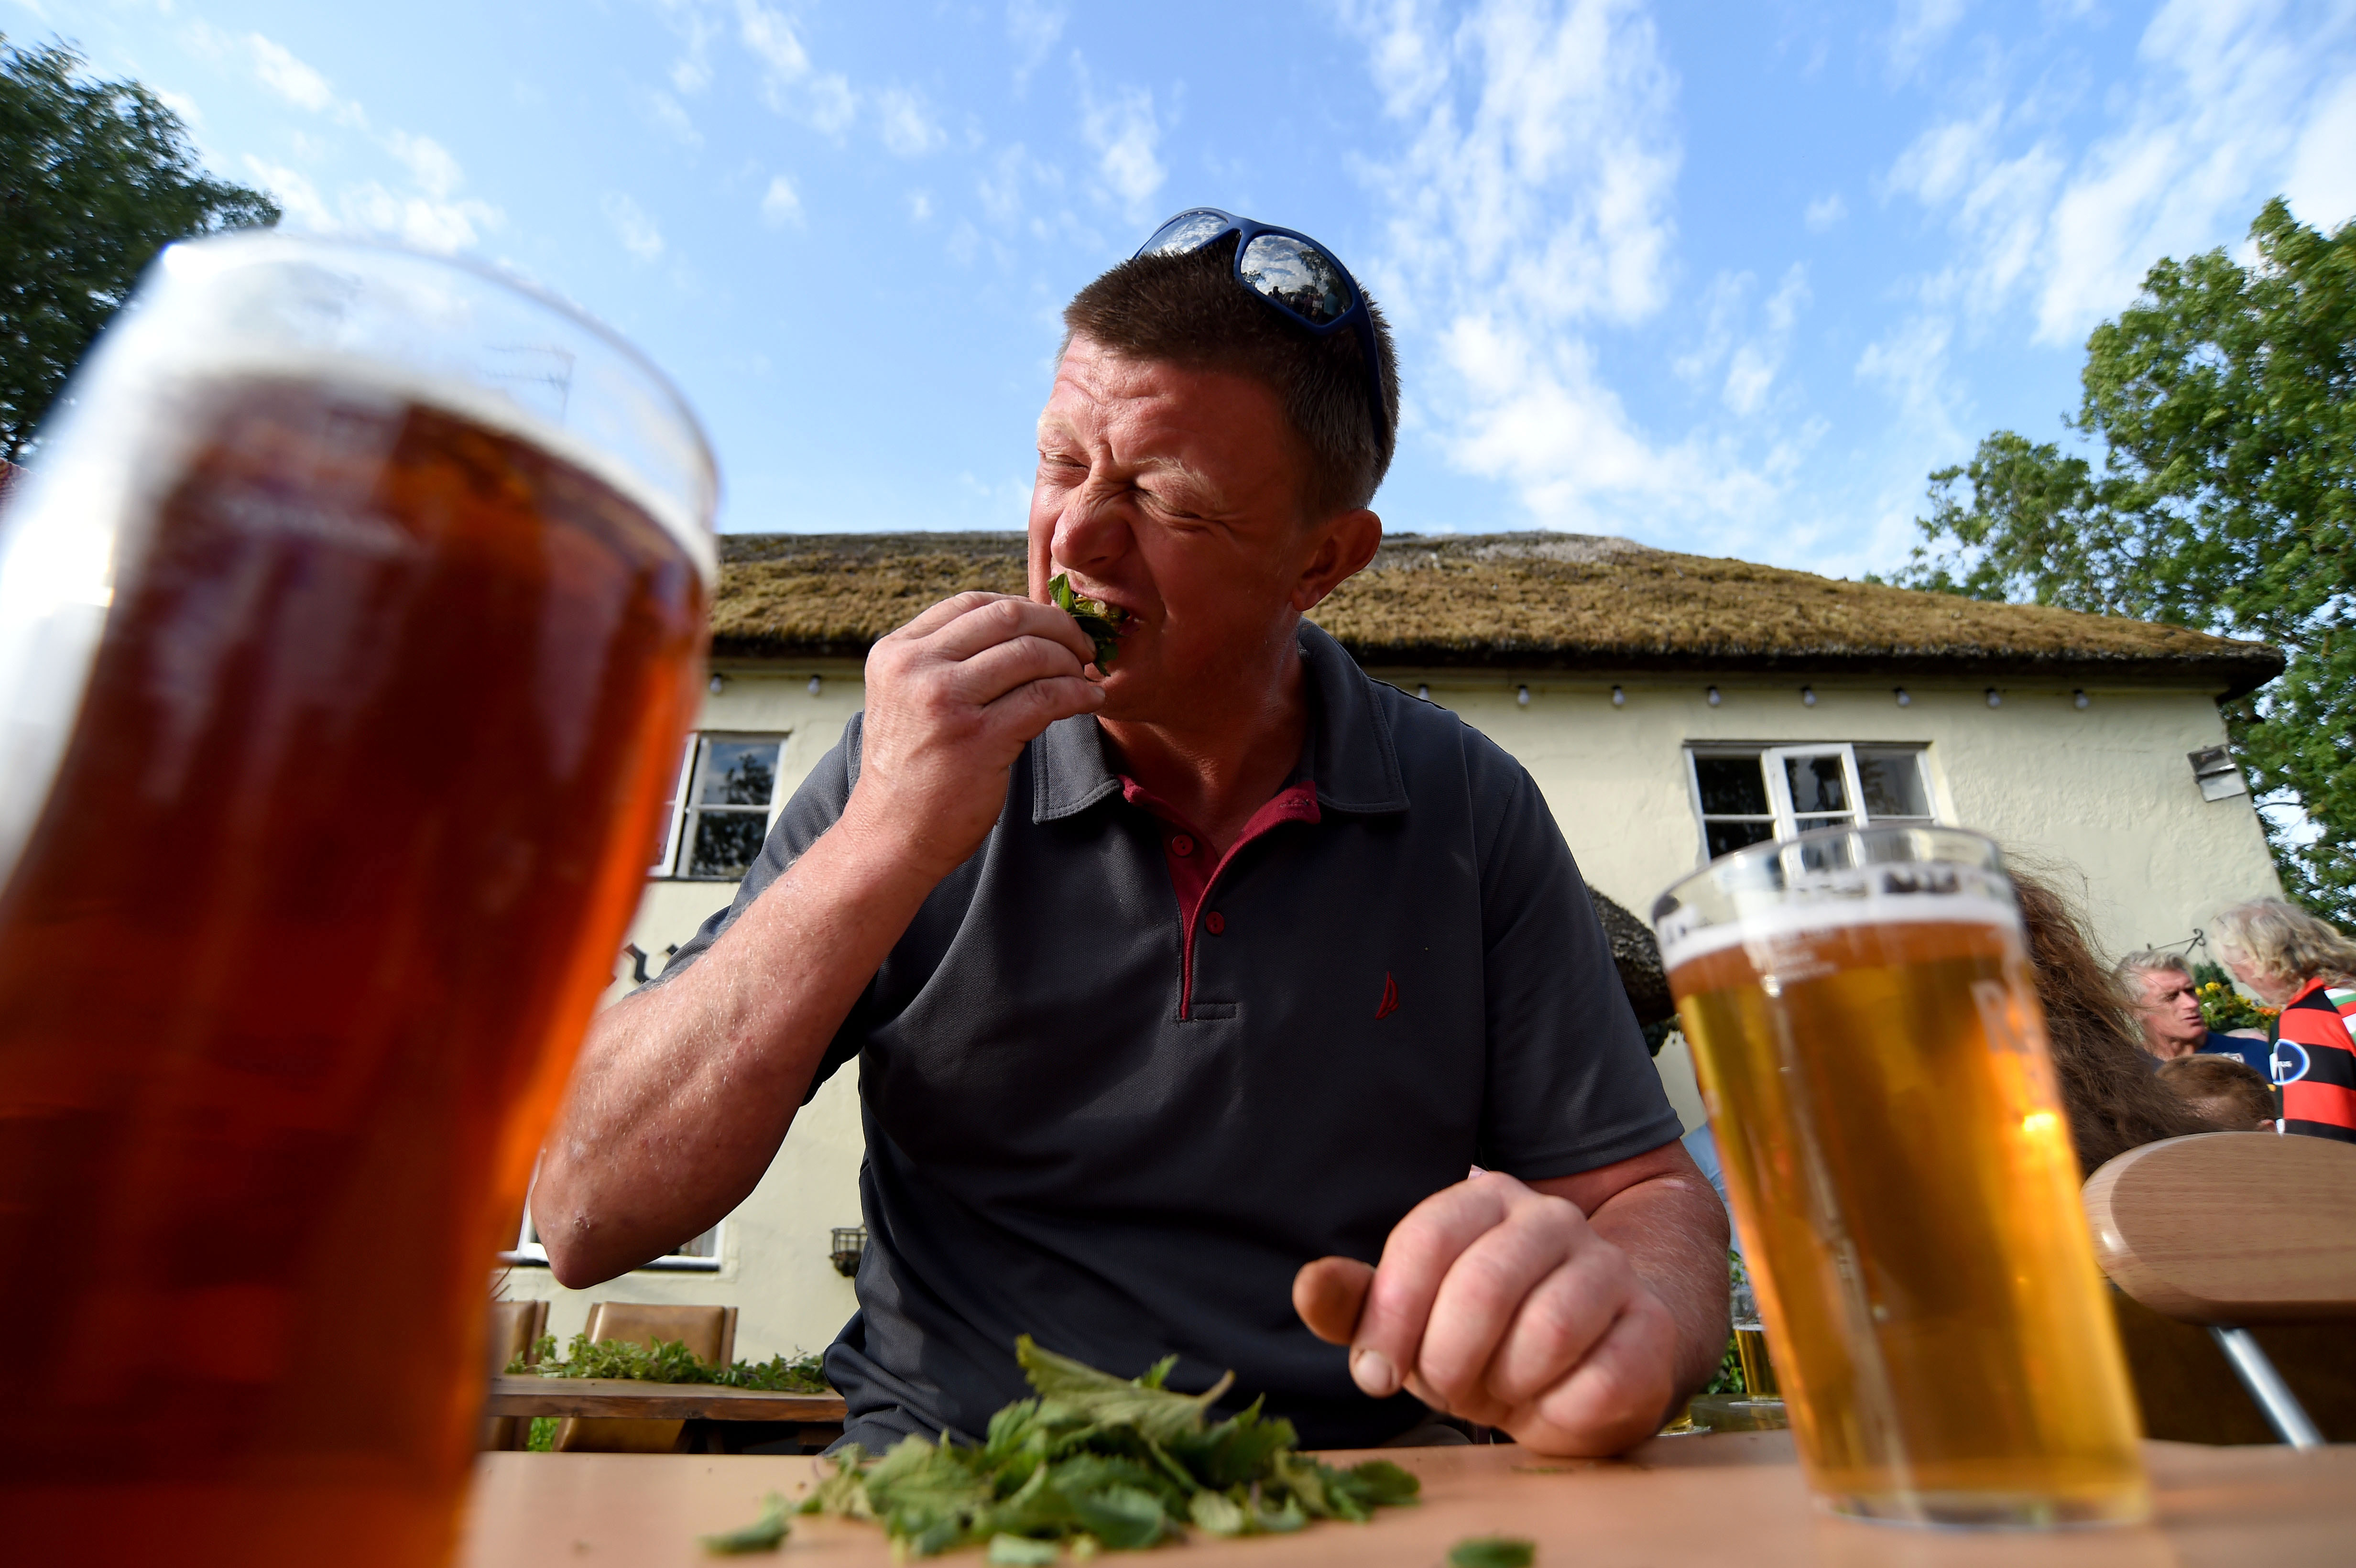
<point>294,957</point>
<point>1874,1060</point>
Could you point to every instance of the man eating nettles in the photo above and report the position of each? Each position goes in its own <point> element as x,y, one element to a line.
<point>1189,982</point>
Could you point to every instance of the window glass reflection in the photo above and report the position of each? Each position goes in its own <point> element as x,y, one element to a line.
<point>1731,786</point>
<point>739,772</point>
<point>726,843</point>
<point>1816,784</point>
<point>1893,783</point>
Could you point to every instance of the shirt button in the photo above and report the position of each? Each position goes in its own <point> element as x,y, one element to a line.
<point>1182,844</point>
<point>1214,923</point>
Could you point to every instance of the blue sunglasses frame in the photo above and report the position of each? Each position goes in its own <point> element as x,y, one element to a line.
<point>1357,316</point>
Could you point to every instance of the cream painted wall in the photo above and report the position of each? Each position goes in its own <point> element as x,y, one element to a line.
<point>2102,794</point>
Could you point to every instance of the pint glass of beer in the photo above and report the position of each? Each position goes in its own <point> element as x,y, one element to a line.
<point>349,627</point>
<point>1865,1027</point>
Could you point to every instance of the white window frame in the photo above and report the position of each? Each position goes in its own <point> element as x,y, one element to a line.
<point>528,1251</point>
<point>1771,760</point>
<point>685,809</point>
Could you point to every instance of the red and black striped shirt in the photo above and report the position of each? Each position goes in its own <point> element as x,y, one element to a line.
<point>2315,1062</point>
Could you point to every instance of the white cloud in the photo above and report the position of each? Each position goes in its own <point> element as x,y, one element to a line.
<point>1033,27</point>
<point>429,163</point>
<point>668,112</point>
<point>790,84</point>
<point>692,72</point>
<point>632,226</point>
<point>1123,133</point>
<point>289,78</point>
<point>1920,27</point>
<point>1528,215</point>
<point>2321,185</point>
<point>1824,211</point>
<point>920,206</point>
<point>780,205</point>
<point>2231,101</point>
<point>907,126</point>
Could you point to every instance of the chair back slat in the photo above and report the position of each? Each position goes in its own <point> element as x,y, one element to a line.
<point>2230,1228</point>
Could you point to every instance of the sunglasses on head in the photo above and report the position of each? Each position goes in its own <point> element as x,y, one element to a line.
<point>1292,273</point>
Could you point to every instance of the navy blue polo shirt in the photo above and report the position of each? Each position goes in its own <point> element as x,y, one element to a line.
<point>1115,1097</point>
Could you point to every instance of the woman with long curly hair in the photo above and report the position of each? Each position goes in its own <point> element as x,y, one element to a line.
<point>2112,1099</point>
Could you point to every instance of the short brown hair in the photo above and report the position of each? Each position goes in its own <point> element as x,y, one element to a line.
<point>1188,310</point>
<point>2214,1076</point>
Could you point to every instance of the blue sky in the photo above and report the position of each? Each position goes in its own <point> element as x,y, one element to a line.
<point>1728,278</point>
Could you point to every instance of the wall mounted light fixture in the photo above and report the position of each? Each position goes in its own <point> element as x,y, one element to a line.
<point>814,684</point>
<point>1712,695</point>
<point>1995,697</point>
<point>1521,695</point>
<point>1807,696</point>
<point>2080,700</point>
<point>850,1246</point>
<point>1618,698</point>
<point>719,684</point>
<point>1903,699</point>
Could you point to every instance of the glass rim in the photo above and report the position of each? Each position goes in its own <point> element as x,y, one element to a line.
<point>1795,884</point>
<point>259,241</point>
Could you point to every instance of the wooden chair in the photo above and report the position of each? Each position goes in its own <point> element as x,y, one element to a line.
<point>2227,1230</point>
<point>708,1331</point>
<point>516,1328</point>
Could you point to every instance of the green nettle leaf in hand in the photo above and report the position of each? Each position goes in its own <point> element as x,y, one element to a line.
<point>1100,1462</point>
<point>763,1534</point>
<point>1101,622</point>
<point>1493,1552</point>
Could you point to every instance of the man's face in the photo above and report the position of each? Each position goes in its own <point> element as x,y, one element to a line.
<point>1177,495</point>
<point>2172,1024</point>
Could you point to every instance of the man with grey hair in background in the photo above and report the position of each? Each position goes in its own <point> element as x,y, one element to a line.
<point>2167,1001</point>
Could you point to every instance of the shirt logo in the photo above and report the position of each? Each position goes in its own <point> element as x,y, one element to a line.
<point>1389,1004</point>
<point>2289,1061</point>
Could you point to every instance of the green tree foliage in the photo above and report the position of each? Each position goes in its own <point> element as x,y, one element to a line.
<point>95,177</point>
<point>2221,495</point>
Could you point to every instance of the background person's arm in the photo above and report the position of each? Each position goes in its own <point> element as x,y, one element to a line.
<point>684,1090</point>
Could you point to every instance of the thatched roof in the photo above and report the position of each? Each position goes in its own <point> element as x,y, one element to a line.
<point>1528,601</point>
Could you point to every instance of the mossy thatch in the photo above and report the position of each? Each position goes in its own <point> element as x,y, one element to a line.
<point>1532,601</point>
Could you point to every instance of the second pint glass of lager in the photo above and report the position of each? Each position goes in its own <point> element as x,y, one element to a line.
<point>1865,1028</point>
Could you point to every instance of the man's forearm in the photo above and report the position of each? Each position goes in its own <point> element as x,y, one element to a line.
<point>685,1091</point>
<point>1674,1229</point>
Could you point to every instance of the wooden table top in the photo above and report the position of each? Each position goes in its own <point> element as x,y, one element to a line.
<point>1728,1498</point>
<point>529,1395</point>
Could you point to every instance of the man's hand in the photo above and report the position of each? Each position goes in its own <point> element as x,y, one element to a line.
<point>952,698</point>
<point>1502,1304</point>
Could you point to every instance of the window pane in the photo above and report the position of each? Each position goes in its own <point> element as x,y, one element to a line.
<point>1816,784</point>
<point>739,772</point>
<point>1731,786</point>
<point>1893,784</point>
<point>726,842</point>
<point>1810,824</point>
<point>1725,837</point>
<point>706,1245</point>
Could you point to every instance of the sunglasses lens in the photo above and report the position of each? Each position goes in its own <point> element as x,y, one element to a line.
<point>1298,277</point>
<point>1187,231</point>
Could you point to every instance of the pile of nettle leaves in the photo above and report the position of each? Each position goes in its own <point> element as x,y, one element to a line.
<point>669,1362</point>
<point>1100,1464</point>
<point>1099,622</point>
